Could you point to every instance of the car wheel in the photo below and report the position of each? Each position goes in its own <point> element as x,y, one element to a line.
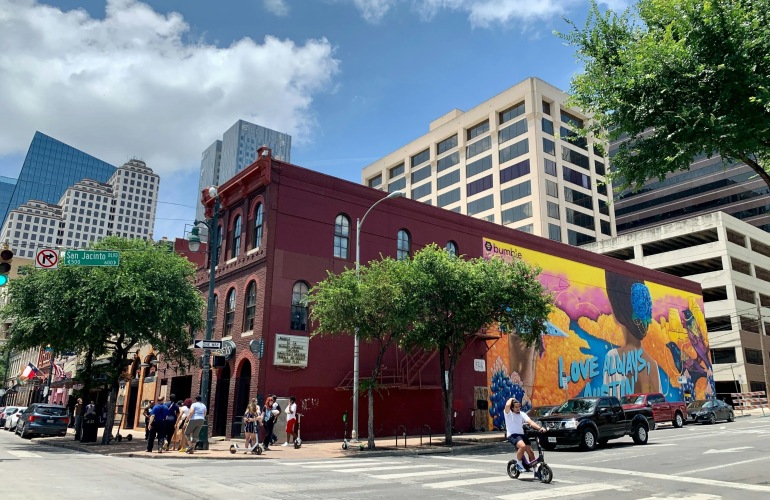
<point>588,440</point>
<point>731,417</point>
<point>678,420</point>
<point>713,419</point>
<point>640,434</point>
<point>24,434</point>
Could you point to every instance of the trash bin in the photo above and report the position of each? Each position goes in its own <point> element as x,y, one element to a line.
<point>90,427</point>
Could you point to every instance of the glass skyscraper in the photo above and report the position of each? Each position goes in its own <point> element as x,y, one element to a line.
<point>50,167</point>
<point>7,185</point>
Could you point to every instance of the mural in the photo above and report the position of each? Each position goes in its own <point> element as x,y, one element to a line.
<point>608,334</point>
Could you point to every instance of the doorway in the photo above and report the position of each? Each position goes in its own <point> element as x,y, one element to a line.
<point>242,389</point>
<point>220,405</point>
<point>130,413</point>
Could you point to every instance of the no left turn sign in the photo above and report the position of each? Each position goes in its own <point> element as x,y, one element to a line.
<point>47,259</point>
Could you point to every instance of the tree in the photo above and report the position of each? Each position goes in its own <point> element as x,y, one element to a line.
<point>150,298</point>
<point>677,78</point>
<point>376,307</point>
<point>454,298</point>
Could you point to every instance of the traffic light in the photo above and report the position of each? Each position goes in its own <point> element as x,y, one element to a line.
<point>6,256</point>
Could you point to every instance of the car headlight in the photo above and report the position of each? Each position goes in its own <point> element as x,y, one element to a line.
<point>538,423</point>
<point>571,424</point>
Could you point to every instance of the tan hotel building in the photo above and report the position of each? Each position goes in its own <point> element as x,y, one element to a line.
<point>508,161</point>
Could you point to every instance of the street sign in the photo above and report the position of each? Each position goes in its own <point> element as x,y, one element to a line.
<point>208,344</point>
<point>47,259</point>
<point>94,258</point>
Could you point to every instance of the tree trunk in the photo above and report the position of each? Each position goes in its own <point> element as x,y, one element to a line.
<point>446,397</point>
<point>111,399</point>
<point>85,392</point>
<point>370,428</point>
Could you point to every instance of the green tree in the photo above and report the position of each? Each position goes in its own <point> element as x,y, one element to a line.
<point>677,78</point>
<point>150,298</point>
<point>376,306</point>
<point>454,298</point>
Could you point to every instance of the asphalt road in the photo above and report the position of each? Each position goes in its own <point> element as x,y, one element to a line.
<point>728,460</point>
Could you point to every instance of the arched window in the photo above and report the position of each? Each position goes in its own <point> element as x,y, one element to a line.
<point>229,313</point>
<point>214,311</point>
<point>299,306</point>
<point>236,237</point>
<point>257,226</point>
<point>251,307</point>
<point>341,236</point>
<point>404,245</point>
<point>219,244</point>
<point>451,248</point>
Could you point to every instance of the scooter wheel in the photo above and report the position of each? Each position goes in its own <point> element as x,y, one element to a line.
<point>257,450</point>
<point>546,474</point>
<point>129,437</point>
<point>119,438</point>
<point>345,445</point>
<point>297,444</point>
<point>513,472</point>
<point>233,449</point>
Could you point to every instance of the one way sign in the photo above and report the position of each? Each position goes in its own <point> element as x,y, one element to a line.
<point>208,344</point>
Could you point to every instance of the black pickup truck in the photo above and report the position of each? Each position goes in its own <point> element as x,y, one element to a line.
<point>588,422</point>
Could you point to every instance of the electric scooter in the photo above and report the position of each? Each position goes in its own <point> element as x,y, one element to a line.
<point>542,471</point>
<point>255,449</point>
<point>297,440</point>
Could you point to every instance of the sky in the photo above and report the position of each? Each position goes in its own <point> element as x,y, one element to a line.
<point>350,80</point>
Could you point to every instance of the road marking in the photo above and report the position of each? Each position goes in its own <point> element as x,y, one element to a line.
<point>440,472</point>
<point>721,466</point>
<point>479,480</point>
<point>697,496</point>
<point>728,450</point>
<point>388,467</point>
<point>337,465</point>
<point>23,454</point>
<point>337,461</point>
<point>615,459</point>
<point>578,489</point>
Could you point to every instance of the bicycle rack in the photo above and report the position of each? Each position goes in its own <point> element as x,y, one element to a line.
<point>404,434</point>
<point>430,434</point>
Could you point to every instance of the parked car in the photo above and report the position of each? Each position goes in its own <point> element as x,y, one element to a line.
<point>589,422</point>
<point>663,411</point>
<point>12,418</point>
<point>709,411</point>
<point>6,411</point>
<point>43,419</point>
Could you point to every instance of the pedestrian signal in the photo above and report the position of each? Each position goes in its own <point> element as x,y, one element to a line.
<point>6,256</point>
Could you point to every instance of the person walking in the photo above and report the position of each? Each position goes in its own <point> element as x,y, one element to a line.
<point>146,415</point>
<point>277,413</point>
<point>291,421</point>
<point>269,416</point>
<point>78,413</point>
<point>195,423</point>
<point>157,425</point>
<point>180,443</point>
<point>250,425</point>
<point>171,417</point>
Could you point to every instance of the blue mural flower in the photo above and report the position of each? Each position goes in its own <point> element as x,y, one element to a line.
<point>641,302</point>
<point>502,388</point>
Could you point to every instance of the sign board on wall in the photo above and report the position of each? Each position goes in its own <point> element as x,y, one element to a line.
<point>291,350</point>
<point>479,365</point>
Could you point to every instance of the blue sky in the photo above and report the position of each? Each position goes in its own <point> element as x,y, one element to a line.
<point>350,80</point>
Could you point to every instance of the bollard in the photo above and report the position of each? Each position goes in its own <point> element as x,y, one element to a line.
<point>430,434</point>
<point>397,434</point>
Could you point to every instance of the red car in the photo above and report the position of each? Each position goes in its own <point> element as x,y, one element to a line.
<point>663,411</point>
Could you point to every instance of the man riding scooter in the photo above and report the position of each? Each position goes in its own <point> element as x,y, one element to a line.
<point>514,426</point>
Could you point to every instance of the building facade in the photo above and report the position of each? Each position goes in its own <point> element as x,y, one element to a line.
<point>730,258</point>
<point>513,160</point>
<point>49,168</point>
<point>87,211</point>
<point>285,227</point>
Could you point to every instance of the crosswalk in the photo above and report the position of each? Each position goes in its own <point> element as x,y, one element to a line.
<point>22,454</point>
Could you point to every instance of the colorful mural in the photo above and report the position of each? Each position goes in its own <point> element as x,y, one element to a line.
<point>608,334</point>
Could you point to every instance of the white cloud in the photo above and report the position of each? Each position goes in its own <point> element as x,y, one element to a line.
<point>374,10</point>
<point>484,13</point>
<point>132,85</point>
<point>277,7</point>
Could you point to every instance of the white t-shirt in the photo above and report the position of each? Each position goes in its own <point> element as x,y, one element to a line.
<point>291,412</point>
<point>197,411</point>
<point>514,422</point>
<point>183,411</point>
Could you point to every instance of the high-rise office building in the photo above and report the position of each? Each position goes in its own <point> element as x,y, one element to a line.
<point>514,160</point>
<point>236,151</point>
<point>7,185</point>
<point>49,168</point>
<point>87,211</point>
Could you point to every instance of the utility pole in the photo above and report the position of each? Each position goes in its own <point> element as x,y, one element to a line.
<point>762,342</point>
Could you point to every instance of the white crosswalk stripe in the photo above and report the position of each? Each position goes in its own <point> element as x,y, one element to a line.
<point>22,454</point>
<point>437,472</point>
<point>567,491</point>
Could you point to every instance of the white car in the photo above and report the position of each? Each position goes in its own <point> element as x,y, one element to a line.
<point>12,419</point>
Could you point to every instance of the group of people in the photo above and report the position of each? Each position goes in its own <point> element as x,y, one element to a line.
<point>78,412</point>
<point>266,417</point>
<point>175,425</point>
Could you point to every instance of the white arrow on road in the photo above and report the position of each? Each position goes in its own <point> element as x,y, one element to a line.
<point>728,450</point>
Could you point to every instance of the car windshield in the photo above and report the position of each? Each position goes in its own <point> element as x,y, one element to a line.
<point>577,406</point>
<point>539,411</point>
<point>51,410</point>
<point>632,399</point>
<point>699,404</point>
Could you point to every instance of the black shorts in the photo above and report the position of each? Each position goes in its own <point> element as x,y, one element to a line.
<point>515,438</point>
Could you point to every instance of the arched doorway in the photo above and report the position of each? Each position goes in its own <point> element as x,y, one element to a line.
<point>242,389</point>
<point>220,406</point>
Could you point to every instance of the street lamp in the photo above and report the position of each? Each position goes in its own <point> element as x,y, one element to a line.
<point>359,223</point>
<point>194,244</point>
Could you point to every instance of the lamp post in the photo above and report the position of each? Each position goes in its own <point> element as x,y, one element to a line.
<point>194,243</point>
<point>359,223</point>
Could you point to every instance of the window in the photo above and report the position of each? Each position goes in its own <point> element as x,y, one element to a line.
<point>236,237</point>
<point>516,192</point>
<point>299,306</point>
<point>251,307</point>
<point>258,226</point>
<point>606,227</point>
<point>578,198</point>
<point>574,157</point>
<point>546,107</point>
<point>449,197</point>
<point>554,232</point>
<point>512,131</point>
<point>511,113</point>
<point>547,126</point>
<point>754,356</point>
<point>375,181</point>
<point>551,189</point>
<point>578,238</point>
<point>341,236</point>
<point>550,167</point>
<point>514,151</point>
<point>517,213</point>
<point>527,228</point>
<point>229,313</point>
<point>479,185</point>
<point>479,129</point>
<point>599,167</point>
<point>723,355</point>
<point>421,191</point>
<point>577,178</point>
<point>514,171</point>
<point>420,158</point>
<point>420,174</point>
<point>480,205</point>
<point>219,243</point>
<point>403,245</point>
<point>478,166</point>
<point>448,161</point>
<point>478,147</point>
<point>448,179</point>
<point>396,171</point>
<point>571,137</point>
<point>580,219</point>
<point>571,119</point>
<point>397,185</point>
<point>446,145</point>
<point>451,248</point>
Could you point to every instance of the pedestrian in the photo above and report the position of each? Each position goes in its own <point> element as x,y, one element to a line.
<point>180,443</point>
<point>250,425</point>
<point>78,412</point>
<point>269,416</point>
<point>276,408</point>
<point>91,408</point>
<point>157,425</point>
<point>291,421</point>
<point>146,415</point>
<point>171,417</point>
<point>195,423</point>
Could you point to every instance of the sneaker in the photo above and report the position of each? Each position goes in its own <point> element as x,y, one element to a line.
<point>519,467</point>
<point>285,444</point>
<point>182,450</point>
